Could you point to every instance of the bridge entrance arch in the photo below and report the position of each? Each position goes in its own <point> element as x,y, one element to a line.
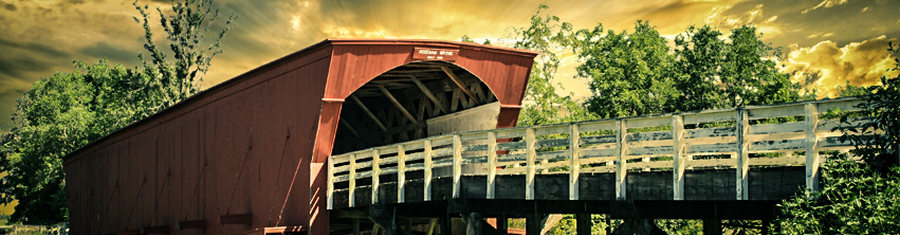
<point>414,101</point>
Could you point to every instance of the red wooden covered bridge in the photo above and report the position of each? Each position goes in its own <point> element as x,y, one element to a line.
<point>403,136</point>
<point>249,155</point>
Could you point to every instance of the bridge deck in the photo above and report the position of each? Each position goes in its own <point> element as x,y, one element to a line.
<point>757,154</point>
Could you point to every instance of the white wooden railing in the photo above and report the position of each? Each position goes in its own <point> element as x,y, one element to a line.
<point>722,139</point>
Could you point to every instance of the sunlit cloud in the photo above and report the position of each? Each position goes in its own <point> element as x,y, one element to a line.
<point>828,67</point>
<point>825,4</point>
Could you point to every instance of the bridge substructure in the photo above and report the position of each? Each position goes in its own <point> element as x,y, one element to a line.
<point>712,165</point>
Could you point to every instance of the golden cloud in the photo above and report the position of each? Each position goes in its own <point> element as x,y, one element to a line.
<point>827,67</point>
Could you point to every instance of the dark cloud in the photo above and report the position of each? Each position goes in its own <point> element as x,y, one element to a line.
<point>34,47</point>
<point>8,6</point>
<point>115,55</point>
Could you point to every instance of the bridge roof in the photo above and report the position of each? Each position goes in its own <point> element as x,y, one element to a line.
<point>353,62</point>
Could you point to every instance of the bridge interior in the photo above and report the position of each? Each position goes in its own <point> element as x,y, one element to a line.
<point>406,102</point>
<point>711,165</point>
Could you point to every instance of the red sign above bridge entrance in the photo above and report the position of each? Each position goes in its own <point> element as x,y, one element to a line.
<point>422,53</point>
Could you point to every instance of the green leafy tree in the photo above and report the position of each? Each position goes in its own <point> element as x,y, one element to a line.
<point>55,117</point>
<point>69,110</point>
<point>857,197</point>
<point>542,104</point>
<point>629,74</point>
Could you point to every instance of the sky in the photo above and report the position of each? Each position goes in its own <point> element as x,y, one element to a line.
<point>826,43</point>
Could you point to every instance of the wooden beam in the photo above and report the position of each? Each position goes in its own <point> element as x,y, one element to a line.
<point>530,156</point>
<point>457,165</point>
<point>742,183</point>
<point>368,112</point>
<point>401,174</point>
<point>351,188</point>
<point>162,229</point>
<point>575,163</point>
<point>398,104</point>
<point>376,175</point>
<point>350,128</point>
<point>459,83</point>
<point>429,94</point>
<point>192,224</point>
<point>236,219</point>
<point>621,169</point>
<point>429,164</point>
<point>492,165</point>
<point>678,157</point>
<point>812,154</point>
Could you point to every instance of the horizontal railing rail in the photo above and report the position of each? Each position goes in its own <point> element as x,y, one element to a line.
<point>721,139</point>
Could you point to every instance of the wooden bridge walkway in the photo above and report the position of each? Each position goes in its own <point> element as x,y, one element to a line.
<point>724,164</point>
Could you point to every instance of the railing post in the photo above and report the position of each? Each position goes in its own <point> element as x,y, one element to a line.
<point>429,164</point>
<point>530,156</point>
<point>376,175</point>
<point>492,164</point>
<point>575,164</point>
<point>401,174</point>
<point>677,157</point>
<point>330,189</point>
<point>457,164</point>
<point>621,169</point>
<point>742,129</point>
<point>812,154</point>
<point>352,181</point>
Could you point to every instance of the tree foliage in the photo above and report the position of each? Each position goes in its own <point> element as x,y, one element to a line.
<point>638,74</point>
<point>546,34</point>
<point>68,110</point>
<point>857,197</point>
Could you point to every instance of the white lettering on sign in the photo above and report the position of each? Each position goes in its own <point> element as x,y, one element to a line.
<point>434,54</point>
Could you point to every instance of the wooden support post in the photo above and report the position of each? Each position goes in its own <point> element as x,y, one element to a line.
<point>432,224</point>
<point>533,223</point>
<point>446,225</point>
<point>376,175</point>
<point>583,224</point>
<point>531,154</point>
<point>398,105</point>
<point>503,224</point>
<point>457,164</point>
<point>474,223</point>
<point>401,174</point>
<point>492,164</point>
<point>355,222</point>
<point>574,162</point>
<point>621,168</point>
<point>330,186</point>
<point>352,184</point>
<point>429,164</point>
<point>428,94</point>
<point>712,227</point>
<point>368,112</point>
<point>742,169</point>
<point>812,153</point>
<point>677,157</point>
<point>459,83</point>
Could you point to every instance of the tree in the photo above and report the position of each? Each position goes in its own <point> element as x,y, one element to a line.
<point>857,197</point>
<point>186,27</point>
<point>69,110</point>
<point>55,117</point>
<point>542,104</point>
<point>629,74</point>
<point>635,74</point>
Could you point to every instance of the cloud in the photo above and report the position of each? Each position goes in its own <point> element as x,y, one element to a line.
<point>726,18</point>
<point>8,6</point>
<point>825,4</point>
<point>827,66</point>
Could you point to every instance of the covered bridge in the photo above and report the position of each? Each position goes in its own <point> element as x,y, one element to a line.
<point>249,155</point>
